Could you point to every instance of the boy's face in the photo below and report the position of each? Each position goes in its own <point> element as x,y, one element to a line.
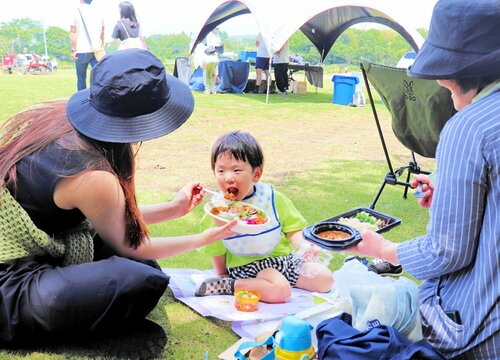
<point>235,176</point>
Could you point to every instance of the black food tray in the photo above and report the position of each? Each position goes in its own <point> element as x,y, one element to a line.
<point>390,221</point>
<point>330,245</point>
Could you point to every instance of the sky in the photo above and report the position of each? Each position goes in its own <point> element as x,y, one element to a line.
<point>174,16</point>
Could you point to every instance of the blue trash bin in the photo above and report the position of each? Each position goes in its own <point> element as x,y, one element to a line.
<point>343,89</point>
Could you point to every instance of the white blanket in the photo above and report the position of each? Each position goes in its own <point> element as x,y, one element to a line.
<point>184,282</point>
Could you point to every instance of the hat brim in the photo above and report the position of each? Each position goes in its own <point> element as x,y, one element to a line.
<point>435,63</point>
<point>96,125</point>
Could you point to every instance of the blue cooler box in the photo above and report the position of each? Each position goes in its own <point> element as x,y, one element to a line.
<point>343,89</point>
<point>244,55</point>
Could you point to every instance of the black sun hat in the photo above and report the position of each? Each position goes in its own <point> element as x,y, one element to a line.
<point>131,99</point>
<point>463,41</point>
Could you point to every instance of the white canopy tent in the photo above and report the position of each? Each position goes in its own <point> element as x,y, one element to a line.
<point>321,21</point>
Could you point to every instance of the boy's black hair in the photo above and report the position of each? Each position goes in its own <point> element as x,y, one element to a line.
<point>241,145</point>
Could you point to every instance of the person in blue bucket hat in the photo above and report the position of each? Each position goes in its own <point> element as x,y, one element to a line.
<point>457,259</point>
<point>77,262</point>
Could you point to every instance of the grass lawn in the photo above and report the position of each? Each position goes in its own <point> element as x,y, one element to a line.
<point>326,158</point>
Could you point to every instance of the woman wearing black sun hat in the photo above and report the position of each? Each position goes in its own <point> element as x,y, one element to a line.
<point>67,174</point>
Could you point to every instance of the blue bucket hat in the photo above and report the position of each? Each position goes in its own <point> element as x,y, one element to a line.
<point>130,99</point>
<point>463,41</point>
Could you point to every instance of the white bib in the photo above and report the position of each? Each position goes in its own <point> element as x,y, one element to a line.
<point>264,242</point>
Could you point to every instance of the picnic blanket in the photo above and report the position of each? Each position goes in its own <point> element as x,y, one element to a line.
<point>392,302</point>
<point>184,282</point>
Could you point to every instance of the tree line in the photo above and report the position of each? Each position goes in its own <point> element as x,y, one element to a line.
<point>381,46</point>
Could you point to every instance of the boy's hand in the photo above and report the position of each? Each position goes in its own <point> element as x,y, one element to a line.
<point>296,238</point>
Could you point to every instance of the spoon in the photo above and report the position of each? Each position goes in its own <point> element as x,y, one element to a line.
<point>212,192</point>
<point>418,192</point>
<point>218,195</point>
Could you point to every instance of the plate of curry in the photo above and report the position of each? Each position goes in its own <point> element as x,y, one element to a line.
<point>332,235</point>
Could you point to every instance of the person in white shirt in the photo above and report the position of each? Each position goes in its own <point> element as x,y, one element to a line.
<point>86,34</point>
<point>213,39</point>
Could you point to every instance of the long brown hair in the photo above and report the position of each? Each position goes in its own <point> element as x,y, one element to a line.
<point>38,126</point>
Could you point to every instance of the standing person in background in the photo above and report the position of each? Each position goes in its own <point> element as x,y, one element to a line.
<point>128,29</point>
<point>54,63</point>
<point>209,62</point>
<point>458,258</point>
<point>280,62</point>
<point>82,45</point>
<point>261,63</point>
<point>213,39</point>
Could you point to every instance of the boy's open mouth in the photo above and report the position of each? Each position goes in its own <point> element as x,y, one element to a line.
<point>232,190</point>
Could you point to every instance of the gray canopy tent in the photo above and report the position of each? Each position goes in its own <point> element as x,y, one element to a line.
<point>321,21</point>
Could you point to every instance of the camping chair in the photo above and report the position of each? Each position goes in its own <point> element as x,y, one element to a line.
<point>182,69</point>
<point>419,109</point>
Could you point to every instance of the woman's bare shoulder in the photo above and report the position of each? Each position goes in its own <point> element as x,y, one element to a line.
<point>89,187</point>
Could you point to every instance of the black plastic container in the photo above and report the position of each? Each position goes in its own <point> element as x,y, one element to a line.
<point>333,223</point>
<point>310,233</point>
<point>390,221</point>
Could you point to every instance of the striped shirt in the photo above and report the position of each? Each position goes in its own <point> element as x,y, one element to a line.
<point>459,256</point>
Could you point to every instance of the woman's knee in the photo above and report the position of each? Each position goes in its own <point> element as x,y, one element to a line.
<point>138,276</point>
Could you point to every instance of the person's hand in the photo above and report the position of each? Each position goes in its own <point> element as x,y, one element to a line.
<point>73,56</point>
<point>189,197</point>
<point>374,245</point>
<point>427,189</point>
<point>218,233</point>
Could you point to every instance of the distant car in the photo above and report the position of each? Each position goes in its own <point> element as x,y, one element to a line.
<point>8,63</point>
<point>30,64</point>
<point>406,60</point>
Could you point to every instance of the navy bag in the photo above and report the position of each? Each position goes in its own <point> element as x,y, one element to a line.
<point>337,339</point>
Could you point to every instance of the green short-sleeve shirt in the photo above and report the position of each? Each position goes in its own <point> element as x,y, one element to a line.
<point>290,219</point>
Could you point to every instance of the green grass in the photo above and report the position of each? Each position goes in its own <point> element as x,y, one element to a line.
<point>20,91</point>
<point>326,158</point>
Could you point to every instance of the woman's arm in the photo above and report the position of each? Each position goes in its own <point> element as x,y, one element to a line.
<point>185,200</point>
<point>72,41</point>
<point>98,195</point>
<point>162,247</point>
<point>375,245</point>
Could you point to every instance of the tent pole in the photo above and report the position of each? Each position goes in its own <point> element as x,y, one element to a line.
<point>268,81</point>
<point>320,64</point>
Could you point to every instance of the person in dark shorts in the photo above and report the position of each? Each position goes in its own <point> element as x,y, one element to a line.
<point>261,63</point>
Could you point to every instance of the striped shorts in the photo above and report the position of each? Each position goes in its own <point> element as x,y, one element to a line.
<point>289,266</point>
